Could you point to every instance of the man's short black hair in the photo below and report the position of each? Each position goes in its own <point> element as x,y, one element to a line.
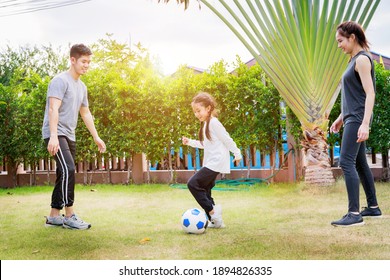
<point>79,50</point>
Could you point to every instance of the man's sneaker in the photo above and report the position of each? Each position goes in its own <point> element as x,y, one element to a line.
<point>216,218</point>
<point>371,212</point>
<point>54,221</point>
<point>348,220</point>
<point>74,222</point>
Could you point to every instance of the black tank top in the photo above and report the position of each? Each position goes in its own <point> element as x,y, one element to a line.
<point>353,97</point>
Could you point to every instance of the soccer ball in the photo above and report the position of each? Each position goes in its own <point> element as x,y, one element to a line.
<point>194,221</point>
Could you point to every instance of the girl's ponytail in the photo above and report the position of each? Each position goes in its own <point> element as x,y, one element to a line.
<point>206,100</point>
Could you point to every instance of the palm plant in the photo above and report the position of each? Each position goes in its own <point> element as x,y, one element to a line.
<point>294,42</point>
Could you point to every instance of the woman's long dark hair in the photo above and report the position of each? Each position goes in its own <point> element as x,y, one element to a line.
<point>205,100</point>
<point>346,29</point>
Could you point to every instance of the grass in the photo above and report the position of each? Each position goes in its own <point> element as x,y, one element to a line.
<point>142,222</point>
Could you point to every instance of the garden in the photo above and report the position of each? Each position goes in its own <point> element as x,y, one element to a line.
<point>138,111</point>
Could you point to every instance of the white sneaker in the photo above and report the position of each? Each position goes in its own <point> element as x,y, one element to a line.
<point>212,225</point>
<point>74,222</point>
<point>54,221</point>
<point>216,219</point>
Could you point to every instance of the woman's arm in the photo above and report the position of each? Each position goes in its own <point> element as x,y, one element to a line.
<point>363,67</point>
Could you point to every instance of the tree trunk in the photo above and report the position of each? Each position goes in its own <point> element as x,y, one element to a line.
<point>317,166</point>
<point>33,174</point>
<point>385,166</point>
<point>85,172</point>
<point>331,155</point>
<point>272,161</point>
<point>108,169</point>
<point>12,169</point>
<point>262,158</point>
<point>373,156</point>
<point>193,158</point>
<point>170,166</point>
<point>48,169</point>
<point>247,158</point>
<point>129,169</point>
<point>148,171</point>
<point>279,147</point>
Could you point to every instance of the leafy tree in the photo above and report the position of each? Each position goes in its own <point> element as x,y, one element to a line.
<point>379,139</point>
<point>23,81</point>
<point>44,60</point>
<point>32,106</point>
<point>128,105</point>
<point>215,81</point>
<point>254,115</point>
<point>21,118</point>
<point>108,84</point>
<point>9,140</point>
<point>179,118</point>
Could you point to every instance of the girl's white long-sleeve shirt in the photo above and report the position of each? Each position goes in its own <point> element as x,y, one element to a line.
<point>217,151</point>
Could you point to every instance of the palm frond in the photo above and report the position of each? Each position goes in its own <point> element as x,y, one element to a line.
<point>294,42</point>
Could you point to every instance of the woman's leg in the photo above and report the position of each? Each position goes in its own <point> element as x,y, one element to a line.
<point>366,177</point>
<point>348,155</point>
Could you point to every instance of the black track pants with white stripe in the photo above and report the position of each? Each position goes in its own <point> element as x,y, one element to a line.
<point>63,193</point>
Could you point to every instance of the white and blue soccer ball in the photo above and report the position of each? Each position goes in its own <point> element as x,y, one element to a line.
<point>194,221</point>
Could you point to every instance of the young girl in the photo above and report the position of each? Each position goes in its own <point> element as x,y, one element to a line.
<point>358,95</point>
<point>217,143</point>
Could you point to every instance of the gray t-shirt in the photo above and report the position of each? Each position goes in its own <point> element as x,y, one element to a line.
<point>73,94</point>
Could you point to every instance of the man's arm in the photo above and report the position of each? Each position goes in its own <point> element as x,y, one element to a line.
<point>88,120</point>
<point>54,105</point>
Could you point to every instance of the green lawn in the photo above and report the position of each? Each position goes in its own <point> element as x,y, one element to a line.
<point>142,222</point>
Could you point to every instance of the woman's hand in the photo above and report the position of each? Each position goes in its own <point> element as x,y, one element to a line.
<point>363,133</point>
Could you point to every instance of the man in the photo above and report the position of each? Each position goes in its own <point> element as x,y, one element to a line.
<point>66,98</point>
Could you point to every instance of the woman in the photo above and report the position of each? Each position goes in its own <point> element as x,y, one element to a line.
<point>358,96</point>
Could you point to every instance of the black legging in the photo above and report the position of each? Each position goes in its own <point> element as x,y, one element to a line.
<point>63,193</point>
<point>353,162</point>
<point>200,185</point>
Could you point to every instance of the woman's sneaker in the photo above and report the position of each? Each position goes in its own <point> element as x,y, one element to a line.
<point>371,212</point>
<point>74,222</point>
<point>54,221</point>
<point>348,220</point>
